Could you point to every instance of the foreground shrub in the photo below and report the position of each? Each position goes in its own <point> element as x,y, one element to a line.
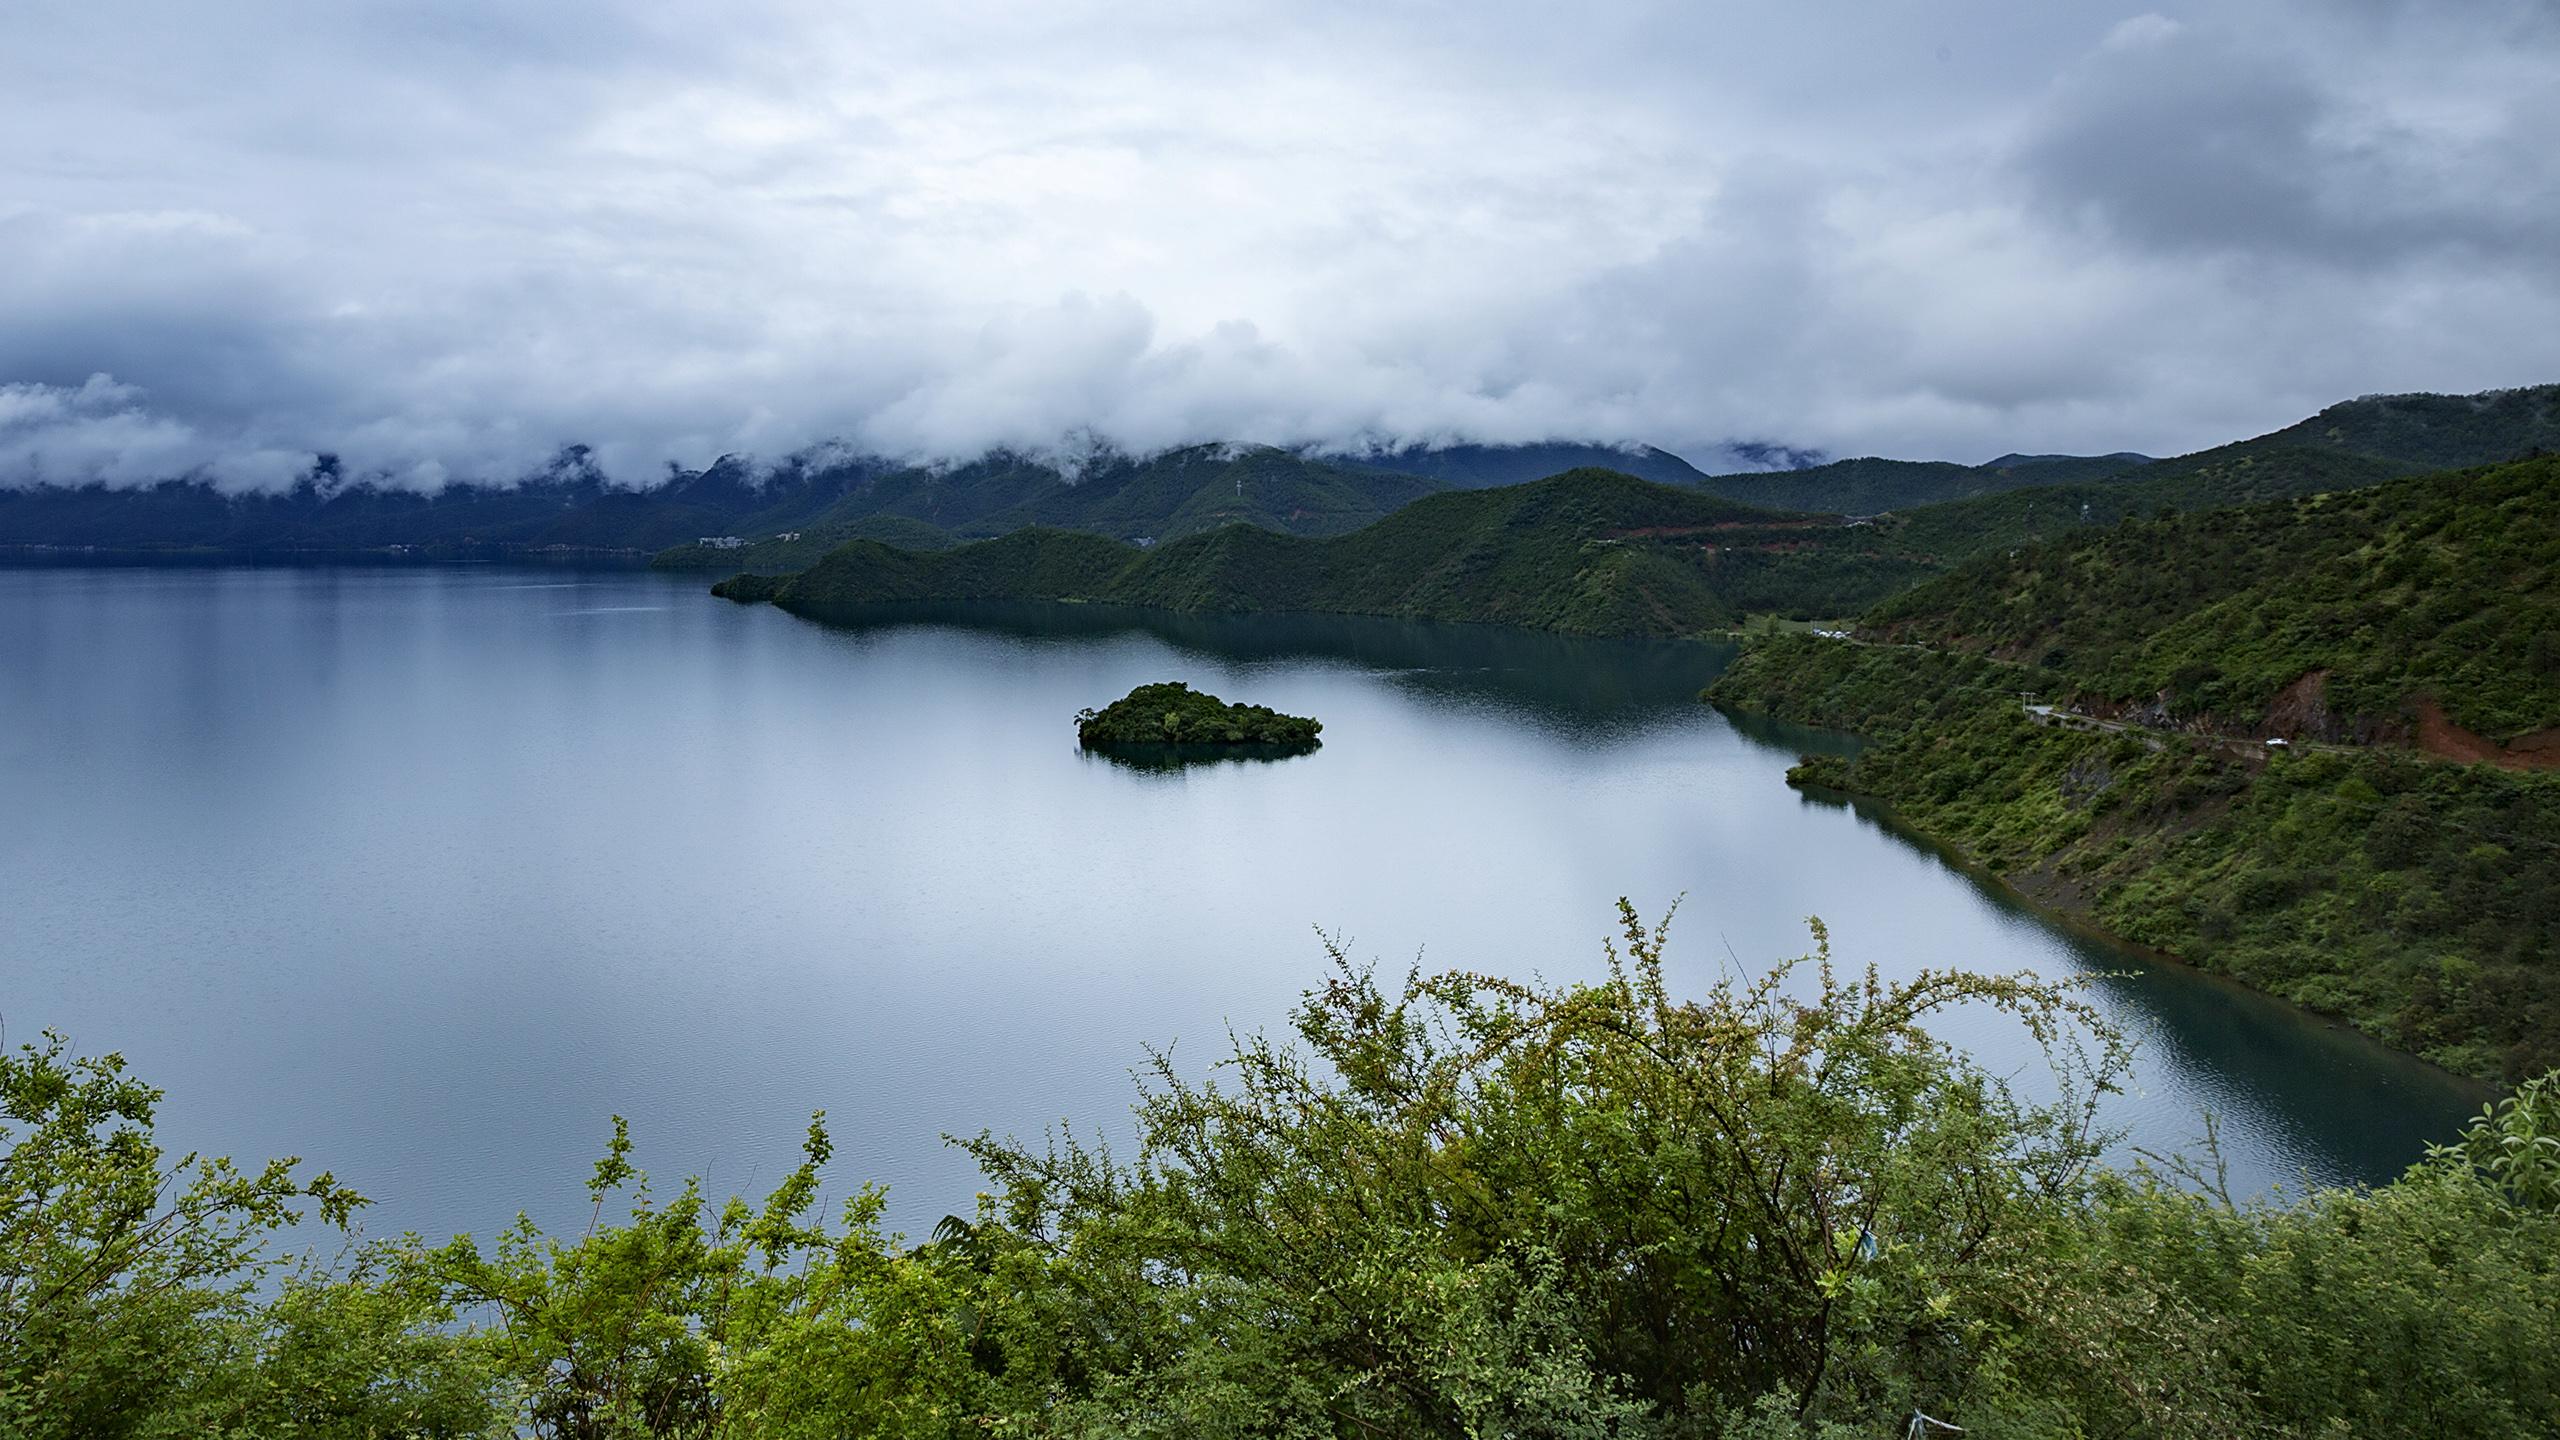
<point>1455,1205</point>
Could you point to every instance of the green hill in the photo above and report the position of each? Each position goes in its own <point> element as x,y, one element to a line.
<point>1870,485</point>
<point>2353,442</point>
<point>2333,617</point>
<point>2418,898</point>
<point>2435,432</point>
<point>1924,518</point>
<point>1589,551</point>
<point>1158,497</point>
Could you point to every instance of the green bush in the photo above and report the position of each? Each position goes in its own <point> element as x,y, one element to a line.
<point>1453,1205</point>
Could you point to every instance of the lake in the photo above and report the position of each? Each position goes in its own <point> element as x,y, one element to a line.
<point>424,873</point>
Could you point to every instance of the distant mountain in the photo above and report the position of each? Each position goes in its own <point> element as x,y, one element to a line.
<point>1587,551</point>
<point>1745,560</point>
<point>2434,432</point>
<point>820,498</point>
<point>1870,486</point>
<point>2347,446</point>
<point>1156,497</point>
<point>824,495</point>
<point>1484,467</point>
<point>2355,442</point>
<point>1938,512</point>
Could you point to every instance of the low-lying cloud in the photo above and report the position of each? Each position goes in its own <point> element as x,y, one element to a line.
<point>444,241</point>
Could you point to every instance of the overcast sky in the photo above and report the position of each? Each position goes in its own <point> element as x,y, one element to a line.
<point>444,240</point>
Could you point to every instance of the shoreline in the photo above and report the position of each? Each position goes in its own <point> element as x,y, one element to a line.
<point>2080,919</point>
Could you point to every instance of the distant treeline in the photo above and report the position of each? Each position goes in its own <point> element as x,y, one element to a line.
<point>1589,551</point>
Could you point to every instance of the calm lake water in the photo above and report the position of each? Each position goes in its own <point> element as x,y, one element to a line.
<point>424,873</point>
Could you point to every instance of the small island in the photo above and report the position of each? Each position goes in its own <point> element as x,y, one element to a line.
<point>1172,715</point>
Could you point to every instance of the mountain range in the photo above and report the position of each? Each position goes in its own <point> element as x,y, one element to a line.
<point>826,493</point>
<point>1929,514</point>
<point>1578,552</point>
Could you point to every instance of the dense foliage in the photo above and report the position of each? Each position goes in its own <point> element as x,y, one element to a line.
<point>1455,1206</point>
<point>2436,432</point>
<point>130,1299</point>
<point>2442,586</point>
<point>2418,899</point>
<point>1172,713</point>
<point>1588,551</point>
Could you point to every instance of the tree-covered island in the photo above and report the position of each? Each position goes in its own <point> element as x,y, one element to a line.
<point>1172,713</point>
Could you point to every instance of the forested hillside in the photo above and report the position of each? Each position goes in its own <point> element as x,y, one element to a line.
<point>1916,528</point>
<point>2414,895</point>
<point>1928,516</point>
<point>1589,551</point>
<point>1162,496</point>
<point>2416,898</point>
<point>2345,616</point>
<point>2435,432</point>
<point>1954,508</point>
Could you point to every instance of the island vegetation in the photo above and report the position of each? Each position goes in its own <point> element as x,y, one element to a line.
<point>1454,1205</point>
<point>1171,713</point>
<point>2350,605</point>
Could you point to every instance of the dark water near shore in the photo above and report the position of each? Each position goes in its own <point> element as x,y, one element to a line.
<point>423,873</point>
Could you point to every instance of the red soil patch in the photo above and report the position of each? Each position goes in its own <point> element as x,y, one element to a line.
<point>2301,708</point>
<point>2438,735</point>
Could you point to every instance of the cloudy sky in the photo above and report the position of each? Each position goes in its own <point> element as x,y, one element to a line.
<point>444,240</point>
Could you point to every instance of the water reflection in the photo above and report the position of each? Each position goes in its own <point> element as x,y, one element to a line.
<point>422,875</point>
<point>1537,675</point>
<point>1168,759</point>
<point>2355,1110</point>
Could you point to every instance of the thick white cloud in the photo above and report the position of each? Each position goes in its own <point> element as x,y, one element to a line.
<point>446,239</point>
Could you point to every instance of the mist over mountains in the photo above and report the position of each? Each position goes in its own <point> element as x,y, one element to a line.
<point>828,494</point>
<point>572,503</point>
